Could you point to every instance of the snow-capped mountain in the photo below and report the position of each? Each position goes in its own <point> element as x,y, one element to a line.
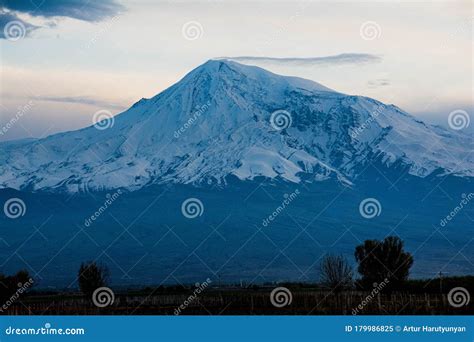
<point>224,119</point>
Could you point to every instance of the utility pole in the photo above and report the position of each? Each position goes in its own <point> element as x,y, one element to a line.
<point>440,273</point>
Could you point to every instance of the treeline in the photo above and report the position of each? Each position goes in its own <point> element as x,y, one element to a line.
<point>384,265</point>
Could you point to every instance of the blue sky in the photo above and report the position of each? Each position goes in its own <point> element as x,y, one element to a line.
<point>76,57</point>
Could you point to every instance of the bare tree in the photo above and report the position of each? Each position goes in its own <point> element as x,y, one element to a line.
<point>336,273</point>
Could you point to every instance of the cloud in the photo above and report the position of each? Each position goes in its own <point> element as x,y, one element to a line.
<point>380,82</point>
<point>341,59</point>
<point>12,27</point>
<point>85,10</point>
<point>81,100</point>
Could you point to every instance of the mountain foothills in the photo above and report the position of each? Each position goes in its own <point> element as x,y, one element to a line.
<point>224,119</point>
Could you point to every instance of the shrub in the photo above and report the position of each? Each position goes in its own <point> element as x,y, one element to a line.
<point>380,260</point>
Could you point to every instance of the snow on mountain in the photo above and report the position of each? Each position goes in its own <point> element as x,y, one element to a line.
<point>217,121</point>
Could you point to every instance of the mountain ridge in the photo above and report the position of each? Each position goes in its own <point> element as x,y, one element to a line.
<point>229,115</point>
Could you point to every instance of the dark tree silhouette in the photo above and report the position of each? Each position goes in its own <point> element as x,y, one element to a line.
<point>380,260</point>
<point>336,273</point>
<point>92,276</point>
<point>11,285</point>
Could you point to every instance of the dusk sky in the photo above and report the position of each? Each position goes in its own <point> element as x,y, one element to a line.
<point>75,57</point>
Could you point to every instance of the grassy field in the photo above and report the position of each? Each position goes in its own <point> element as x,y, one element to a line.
<point>237,301</point>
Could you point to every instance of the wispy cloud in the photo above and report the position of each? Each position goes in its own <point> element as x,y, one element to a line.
<point>341,59</point>
<point>379,82</point>
<point>85,10</point>
<point>81,100</point>
<point>78,9</point>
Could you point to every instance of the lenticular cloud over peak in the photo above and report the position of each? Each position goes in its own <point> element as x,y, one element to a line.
<point>341,59</point>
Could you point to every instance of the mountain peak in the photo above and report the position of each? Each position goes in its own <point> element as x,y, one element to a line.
<point>226,67</point>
